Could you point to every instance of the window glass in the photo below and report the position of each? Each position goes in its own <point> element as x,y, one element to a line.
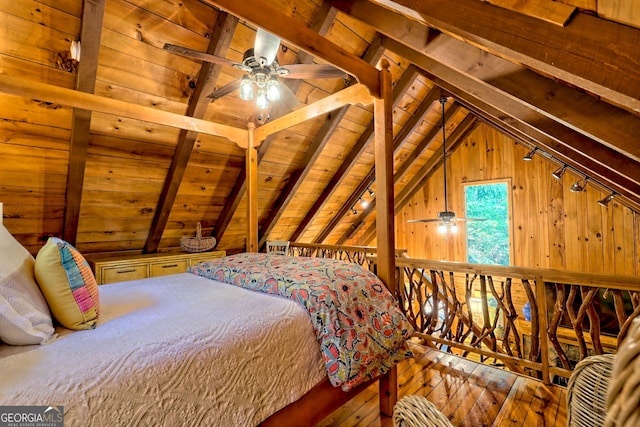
<point>488,241</point>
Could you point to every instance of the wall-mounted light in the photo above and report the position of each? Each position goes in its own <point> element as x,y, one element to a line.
<point>558,173</point>
<point>604,202</point>
<point>75,50</point>
<point>579,185</point>
<point>530,154</point>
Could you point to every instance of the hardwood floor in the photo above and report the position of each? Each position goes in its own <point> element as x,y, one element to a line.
<point>468,393</point>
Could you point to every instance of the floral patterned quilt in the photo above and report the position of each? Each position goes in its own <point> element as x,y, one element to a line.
<point>361,331</point>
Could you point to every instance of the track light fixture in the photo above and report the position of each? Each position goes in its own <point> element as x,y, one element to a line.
<point>604,202</point>
<point>371,192</point>
<point>579,185</point>
<point>354,211</point>
<point>530,155</point>
<point>558,173</point>
<point>363,202</point>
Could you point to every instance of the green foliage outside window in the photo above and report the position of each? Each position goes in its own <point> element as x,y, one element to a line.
<point>487,241</point>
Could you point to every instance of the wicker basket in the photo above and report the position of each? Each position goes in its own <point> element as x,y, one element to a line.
<point>198,243</point>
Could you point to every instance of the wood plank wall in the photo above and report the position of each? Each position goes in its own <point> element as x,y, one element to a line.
<point>552,227</point>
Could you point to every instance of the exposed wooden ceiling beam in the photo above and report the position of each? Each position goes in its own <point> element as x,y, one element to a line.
<point>219,44</point>
<point>614,128</point>
<point>513,109</point>
<point>576,54</point>
<point>403,85</point>
<point>72,98</point>
<point>273,20</point>
<point>372,56</point>
<point>352,95</point>
<point>90,35</point>
<point>548,10</point>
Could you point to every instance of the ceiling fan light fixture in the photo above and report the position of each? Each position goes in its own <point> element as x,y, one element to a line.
<point>558,173</point>
<point>262,102</point>
<point>273,89</point>
<point>442,228</point>
<point>246,89</point>
<point>453,228</point>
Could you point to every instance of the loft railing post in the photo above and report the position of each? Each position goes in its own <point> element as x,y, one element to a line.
<point>543,319</point>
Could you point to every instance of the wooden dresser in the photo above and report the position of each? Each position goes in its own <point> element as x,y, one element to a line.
<point>118,267</point>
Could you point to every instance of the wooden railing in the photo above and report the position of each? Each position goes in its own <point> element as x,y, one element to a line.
<point>537,322</point>
<point>357,254</point>
<point>479,311</point>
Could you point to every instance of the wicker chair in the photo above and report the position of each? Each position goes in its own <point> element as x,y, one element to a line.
<point>417,411</point>
<point>604,390</point>
<point>623,399</point>
<point>587,391</point>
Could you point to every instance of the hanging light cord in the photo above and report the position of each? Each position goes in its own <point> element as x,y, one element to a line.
<point>443,101</point>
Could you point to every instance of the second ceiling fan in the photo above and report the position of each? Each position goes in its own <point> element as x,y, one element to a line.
<point>447,219</point>
<point>263,71</point>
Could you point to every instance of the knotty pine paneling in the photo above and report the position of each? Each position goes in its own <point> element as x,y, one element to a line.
<point>552,227</point>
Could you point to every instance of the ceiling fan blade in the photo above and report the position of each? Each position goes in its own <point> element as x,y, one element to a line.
<point>288,98</point>
<point>470,219</point>
<point>313,71</point>
<point>266,47</point>
<point>424,220</point>
<point>195,54</point>
<point>224,90</point>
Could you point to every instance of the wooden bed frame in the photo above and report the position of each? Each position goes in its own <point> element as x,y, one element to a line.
<point>323,399</point>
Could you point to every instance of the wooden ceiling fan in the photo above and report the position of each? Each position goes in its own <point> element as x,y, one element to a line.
<point>263,71</point>
<point>447,219</point>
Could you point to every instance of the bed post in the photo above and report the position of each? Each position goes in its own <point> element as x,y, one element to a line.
<point>252,191</point>
<point>385,230</point>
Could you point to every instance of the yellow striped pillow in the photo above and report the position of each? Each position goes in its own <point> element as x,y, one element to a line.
<point>68,285</point>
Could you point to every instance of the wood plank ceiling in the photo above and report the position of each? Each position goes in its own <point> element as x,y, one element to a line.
<point>569,85</point>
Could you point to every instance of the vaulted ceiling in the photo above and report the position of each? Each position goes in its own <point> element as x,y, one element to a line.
<point>563,77</point>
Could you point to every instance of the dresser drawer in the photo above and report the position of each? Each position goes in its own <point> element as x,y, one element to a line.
<point>113,267</point>
<point>204,256</point>
<point>168,267</point>
<point>124,272</point>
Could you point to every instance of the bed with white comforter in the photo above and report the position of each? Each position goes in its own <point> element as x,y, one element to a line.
<point>173,350</point>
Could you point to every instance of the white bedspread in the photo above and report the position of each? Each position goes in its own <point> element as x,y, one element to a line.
<point>176,350</point>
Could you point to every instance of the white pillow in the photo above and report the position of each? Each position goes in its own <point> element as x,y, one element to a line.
<point>24,314</point>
